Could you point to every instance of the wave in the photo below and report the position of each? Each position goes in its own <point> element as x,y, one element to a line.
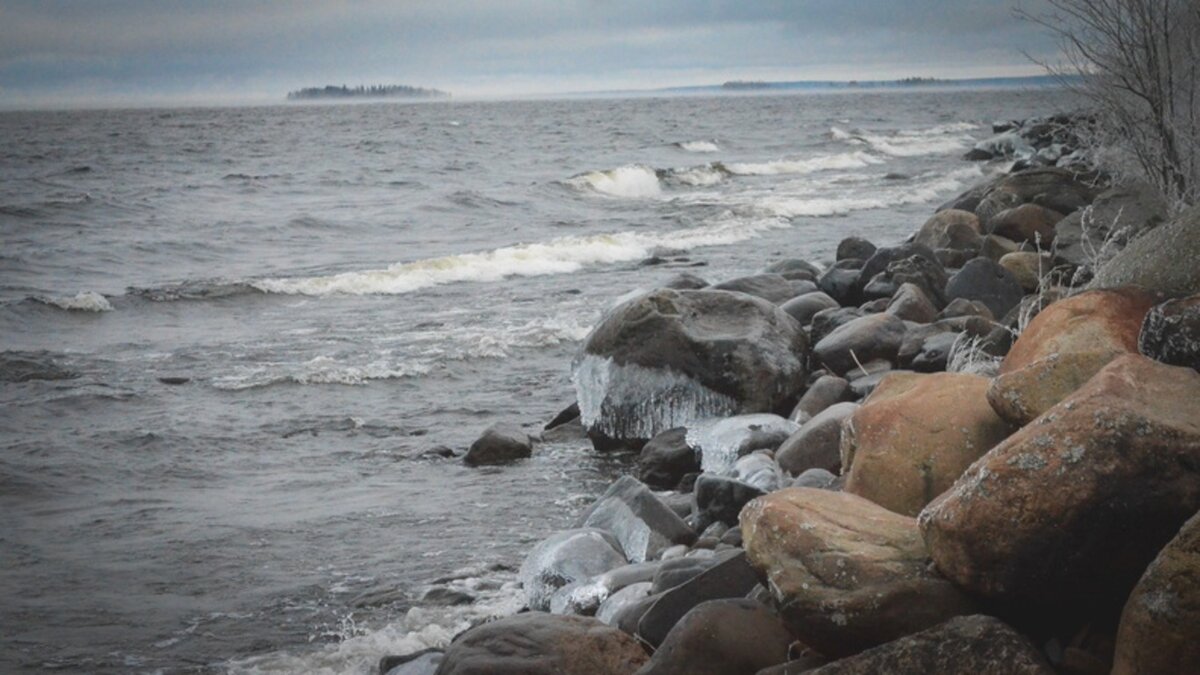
<point>852,160</point>
<point>18,366</point>
<point>800,205</point>
<point>320,370</point>
<point>698,146</point>
<point>556,256</point>
<point>942,139</point>
<point>85,301</point>
<point>632,181</point>
<point>697,176</point>
<point>194,290</point>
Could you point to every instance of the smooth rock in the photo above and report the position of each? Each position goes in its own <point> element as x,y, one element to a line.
<point>1171,333</point>
<point>876,336</point>
<point>995,247</point>
<point>952,228</point>
<point>855,248</point>
<point>964,307</point>
<point>915,435</point>
<point>977,644</point>
<point>535,643</point>
<point>885,256</point>
<point>424,662</point>
<point>1160,625</point>
<point>922,272</point>
<point>840,283</point>
<point>826,321</point>
<point>803,307</point>
<point>666,459</point>
<point>935,353</point>
<point>499,444</point>
<point>826,391</point>
<point>987,282</point>
<point>685,281</point>
<point>816,445</point>
<point>1120,212</point>
<point>1057,522</point>
<point>793,265</point>
<point>846,574</point>
<point>770,287</point>
<point>1165,259</point>
<point>564,558</point>
<point>911,304</point>
<point>758,469</point>
<point>1027,222</point>
<point>815,478</point>
<point>720,499</point>
<point>732,636</point>
<point>642,524</point>
<point>1058,189</point>
<point>1026,268</point>
<point>730,577</point>
<point>614,604</point>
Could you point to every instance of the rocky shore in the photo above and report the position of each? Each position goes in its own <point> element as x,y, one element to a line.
<point>974,451</point>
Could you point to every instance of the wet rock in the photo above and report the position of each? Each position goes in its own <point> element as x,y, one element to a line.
<point>770,287</point>
<point>855,248</point>
<point>935,353</point>
<point>826,391</point>
<point>668,358</point>
<point>535,643</point>
<point>642,524</point>
<point>1026,268</point>
<point>987,282</point>
<point>840,283</point>
<point>685,281</point>
<point>1160,625</point>
<point>678,571</point>
<point>424,662</point>
<point>846,573</point>
<point>1171,333</point>
<point>792,266</point>
<point>665,460</point>
<point>826,321</point>
<point>1027,222</point>
<point>863,385</point>
<point>730,577</point>
<point>975,644</point>
<point>887,255</point>
<point>1165,259</point>
<point>952,228</point>
<point>1056,523</point>
<point>1128,210</point>
<point>915,435</point>
<point>722,637</point>
<point>758,469</point>
<point>620,600</point>
<point>876,336</point>
<point>499,443</point>
<point>721,442</point>
<point>446,597</point>
<point>720,499</point>
<point>911,304</point>
<point>566,557</point>
<point>803,307</point>
<point>815,478</point>
<point>816,444</point>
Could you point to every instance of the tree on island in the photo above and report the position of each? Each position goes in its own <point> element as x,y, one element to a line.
<point>1138,66</point>
<point>361,91</point>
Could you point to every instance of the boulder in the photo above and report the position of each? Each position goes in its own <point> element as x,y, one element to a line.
<point>1171,333</point>
<point>952,228</point>
<point>564,558</point>
<point>1056,523</point>
<point>758,469</point>
<point>845,573</point>
<point>770,287</point>
<point>964,307</point>
<point>887,255</point>
<point>969,200</point>
<point>499,443</point>
<point>855,248</point>
<point>535,643</point>
<point>717,499</point>
<point>985,281</point>
<point>620,600</point>
<point>1160,626</point>
<point>666,459</point>
<point>826,321</point>
<point>1027,222</point>
<point>789,267</point>
<point>1165,259</point>
<point>815,478</point>
<point>911,304</point>
<point>730,577</point>
<point>803,307</point>
<point>1122,212</point>
<point>1027,268</point>
<point>816,444</point>
<point>1057,189</point>
<point>840,283</point>
<point>720,442</point>
<point>995,247</point>
<point>827,390</point>
<point>915,435</point>
<point>1023,394</point>
<point>685,281</point>
<point>722,637</point>
<point>876,336</point>
<point>668,358</point>
<point>934,354</point>
<point>678,571</point>
<point>642,524</point>
<point>926,274</point>
<point>977,644</point>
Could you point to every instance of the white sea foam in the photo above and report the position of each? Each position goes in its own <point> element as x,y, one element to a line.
<point>86,301</point>
<point>814,203</point>
<point>556,256</point>
<point>632,181</point>
<point>319,370</point>
<point>852,160</point>
<point>698,176</point>
<point>941,139</point>
<point>699,146</point>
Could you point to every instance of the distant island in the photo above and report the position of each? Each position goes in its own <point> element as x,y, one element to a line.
<point>918,80</point>
<point>744,84</point>
<point>374,91</point>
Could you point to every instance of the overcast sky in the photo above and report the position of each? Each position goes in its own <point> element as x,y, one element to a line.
<point>103,51</point>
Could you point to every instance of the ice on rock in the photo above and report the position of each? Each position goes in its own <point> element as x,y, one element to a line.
<point>721,442</point>
<point>631,401</point>
<point>759,470</point>
<point>610,608</point>
<point>564,558</point>
<point>581,597</point>
<point>642,524</point>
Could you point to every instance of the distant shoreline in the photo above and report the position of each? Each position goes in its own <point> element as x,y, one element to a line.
<point>384,91</point>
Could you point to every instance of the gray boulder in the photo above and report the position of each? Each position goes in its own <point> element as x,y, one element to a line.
<point>803,307</point>
<point>566,557</point>
<point>722,637</point>
<point>731,577</point>
<point>666,459</point>
<point>1165,259</point>
<point>910,303</point>
<point>816,445</point>
<point>1129,209</point>
<point>985,281</point>
<point>876,336</point>
<point>1171,333</point>
<point>855,248</point>
<point>720,499</point>
<point>827,390</point>
<point>642,524</point>
<point>498,444</point>
<point>770,287</point>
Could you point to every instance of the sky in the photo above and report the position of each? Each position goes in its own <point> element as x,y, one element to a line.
<point>96,52</point>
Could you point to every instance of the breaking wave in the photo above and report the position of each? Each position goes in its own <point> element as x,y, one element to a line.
<point>941,139</point>
<point>632,181</point>
<point>852,160</point>
<point>85,301</point>
<point>698,146</point>
<point>800,204</point>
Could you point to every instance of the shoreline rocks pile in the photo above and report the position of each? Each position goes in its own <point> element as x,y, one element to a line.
<point>938,456</point>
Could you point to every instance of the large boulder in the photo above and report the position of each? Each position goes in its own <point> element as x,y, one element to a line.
<point>535,643</point>
<point>640,521</point>
<point>803,307</point>
<point>668,358</point>
<point>564,558</point>
<point>976,644</point>
<point>875,336</point>
<point>952,229</point>
<point>1063,347</point>
<point>730,577</point>
<point>1160,626</point>
<point>1058,189</point>
<point>817,444</point>
<point>1165,259</point>
<point>985,281</point>
<point>770,287</point>
<point>1027,222</point>
<point>666,459</point>
<point>855,248</point>
<point>915,435</point>
<point>499,443</point>
<point>1122,211</point>
<point>1058,521</point>
<point>845,573</point>
<point>1171,332</point>
<point>722,637</point>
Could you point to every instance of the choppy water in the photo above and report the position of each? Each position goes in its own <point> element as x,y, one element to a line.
<point>343,288</point>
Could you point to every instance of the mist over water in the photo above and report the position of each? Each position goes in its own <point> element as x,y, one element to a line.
<point>229,336</point>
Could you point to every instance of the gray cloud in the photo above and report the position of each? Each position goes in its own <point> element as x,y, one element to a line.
<point>260,47</point>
